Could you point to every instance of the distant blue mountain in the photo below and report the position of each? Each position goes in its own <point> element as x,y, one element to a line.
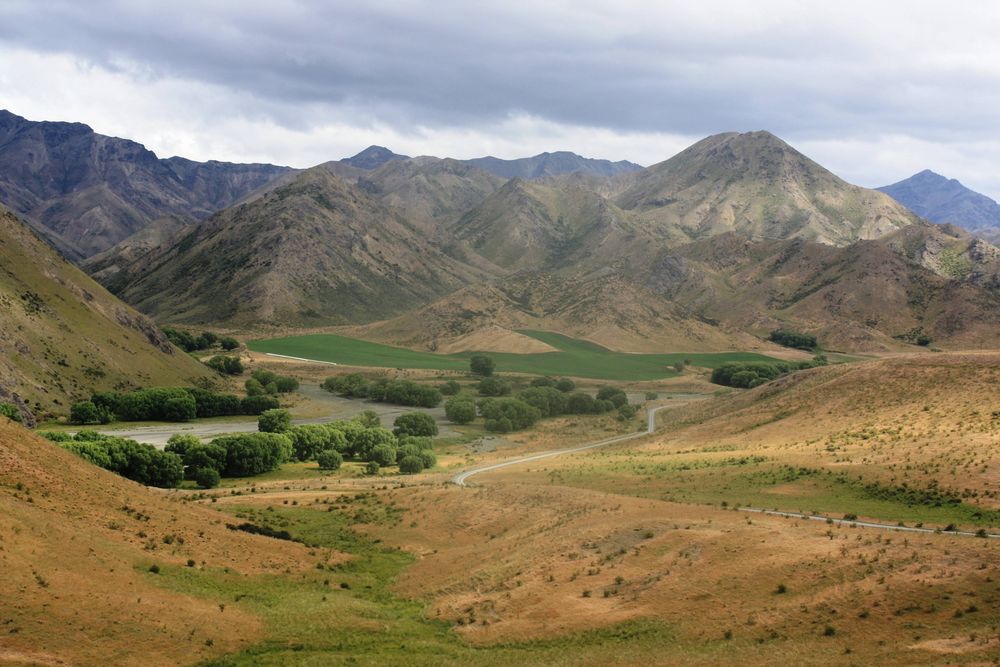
<point>940,199</point>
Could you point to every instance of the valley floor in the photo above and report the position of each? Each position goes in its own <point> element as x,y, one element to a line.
<point>637,552</point>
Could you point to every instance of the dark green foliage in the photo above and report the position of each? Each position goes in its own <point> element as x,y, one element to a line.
<point>204,455</point>
<point>411,465</point>
<point>191,343</point>
<point>383,454</point>
<point>794,339</point>
<point>365,442</point>
<point>225,364</point>
<point>460,410</point>
<point>228,344</point>
<point>507,414</point>
<point>310,440</point>
<point>266,531</point>
<point>330,459</point>
<point>652,395</point>
<point>415,423</point>
<point>264,381</point>
<point>286,384</point>
<point>548,400</point>
<point>371,468</point>
<point>274,421</point>
<point>482,365</point>
<point>626,412</point>
<point>206,478</point>
<point>746,375</point>
<point>580,404</point>
<point>180,408</point>
<point>449,388</point>
<point>254,387</point>
<point>86,412</point>
<point>10,411</point>
<point>139,462</point>
<point>613,394</point>
<point>492,386</point>
<point>566,385</point>
<point>173,404</point>
<point>543,382</point>
<point>255,405</point>
<point>397,392</point>
<point>923,340</point>
<point>253,453</point>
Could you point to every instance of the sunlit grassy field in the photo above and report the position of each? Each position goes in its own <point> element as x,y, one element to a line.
<point>576,358</point>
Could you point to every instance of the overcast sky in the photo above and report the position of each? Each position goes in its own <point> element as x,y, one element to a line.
<point>876,91</point>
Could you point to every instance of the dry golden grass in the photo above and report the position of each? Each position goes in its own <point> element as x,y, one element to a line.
<point>76,543</point>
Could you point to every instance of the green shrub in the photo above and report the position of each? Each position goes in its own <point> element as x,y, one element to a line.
<point>460,410</point>
<point>207,478</point>
<point>749,374</point>
<point>255,405</point>
<point>136,461</point>
<point>250,454</point>
<point>228,344</point>
<point>384,454</point>
<point>411,465</point>
<point>482,365</point>
<point>548,400</point>
<point>565,385</point>
<point>492,386</point>
<point>84,412</point>
<point>10,411</point>
<point>507,414</point>
<point>330,459</point>
<point>225,364</point>
<point>415,423</point>
<point>449,388</point>
<point>274,421</point>
<point>371,468</point>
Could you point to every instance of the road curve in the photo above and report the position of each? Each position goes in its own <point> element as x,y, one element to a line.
<point>461,478</point>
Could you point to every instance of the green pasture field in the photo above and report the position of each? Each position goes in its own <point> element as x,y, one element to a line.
<point>575,358</point>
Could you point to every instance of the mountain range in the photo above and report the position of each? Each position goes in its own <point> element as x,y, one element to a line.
<point>88,191</point>
<point>945,200</point>
<point>710,249</point>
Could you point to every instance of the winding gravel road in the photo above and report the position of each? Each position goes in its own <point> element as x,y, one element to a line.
<point>462,477</point>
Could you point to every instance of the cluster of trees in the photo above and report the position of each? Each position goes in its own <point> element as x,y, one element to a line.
<point>480,364</point>
<point>409,445</point>
<point>540,400</point>
<point>746,375</point>
<point>238,455</point>
<point>263,382</point>
<point>205,341</point>
<point>136,461</point>
<point>794,339</point>
<point>225,364</point>
<point>165,404</point>
<point>10,411</point>
<point>383,390</point>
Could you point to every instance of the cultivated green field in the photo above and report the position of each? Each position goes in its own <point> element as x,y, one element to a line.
<point>576,358</point>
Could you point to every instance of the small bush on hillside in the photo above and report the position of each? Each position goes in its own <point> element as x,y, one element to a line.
<point>229,344</point>
<point>225,364</point>
<point>613,394</point>
<point>10,411</point>
<point>415,423</point>
<point>543,382</point>
<point>383,454</point>
<point>371,468</point>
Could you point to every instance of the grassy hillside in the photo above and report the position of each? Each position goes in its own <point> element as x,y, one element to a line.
<point>62,335</point>
<point>76,547</point>
<point>577,358</point>
<point>318,250</point>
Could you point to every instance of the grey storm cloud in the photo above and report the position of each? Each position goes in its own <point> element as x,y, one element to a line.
<point>631,66</point>
<point>875,90</point>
